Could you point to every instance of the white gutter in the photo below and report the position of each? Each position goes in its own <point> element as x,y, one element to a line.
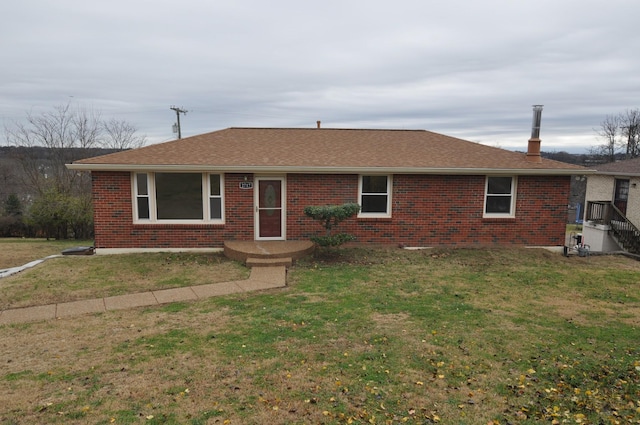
<point>328,170</point>
<point>613,173</point>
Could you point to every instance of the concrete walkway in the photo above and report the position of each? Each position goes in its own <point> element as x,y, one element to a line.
<point>261,278</point>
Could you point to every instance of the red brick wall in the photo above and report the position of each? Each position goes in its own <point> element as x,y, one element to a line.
<point>114,226</point>
<point>437,210</point>
<point>427,211</point>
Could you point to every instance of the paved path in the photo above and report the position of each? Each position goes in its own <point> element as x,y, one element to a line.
<point>261,278</point>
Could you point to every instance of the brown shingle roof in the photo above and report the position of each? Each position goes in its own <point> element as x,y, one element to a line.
<point>626,167</point>
<point>264,149</point>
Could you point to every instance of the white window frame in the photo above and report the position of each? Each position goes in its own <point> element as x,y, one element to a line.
<point>136,196</point>
<point>151,196</point>
<point>512,205</point>
<point>210,197</point>
<point>387,214</point>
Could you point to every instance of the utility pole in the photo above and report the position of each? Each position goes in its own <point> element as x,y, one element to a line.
<point>177,125</point>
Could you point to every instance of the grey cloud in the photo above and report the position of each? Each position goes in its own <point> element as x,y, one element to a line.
<point>468,69</point>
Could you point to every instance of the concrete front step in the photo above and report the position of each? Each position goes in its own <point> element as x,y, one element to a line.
<point>269,262</point>
<point>243,250</point>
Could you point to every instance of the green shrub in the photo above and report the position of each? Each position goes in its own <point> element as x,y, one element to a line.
<point>329,217</point>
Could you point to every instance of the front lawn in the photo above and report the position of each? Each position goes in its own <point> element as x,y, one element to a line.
<point>16,252</point>
<point>72,278</point>
<point>367,336</point>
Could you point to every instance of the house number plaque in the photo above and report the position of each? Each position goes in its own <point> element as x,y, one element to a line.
<point>246,185</point>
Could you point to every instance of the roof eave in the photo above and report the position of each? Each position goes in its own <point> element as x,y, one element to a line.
<point>327,170</point>
<point>618,173</point>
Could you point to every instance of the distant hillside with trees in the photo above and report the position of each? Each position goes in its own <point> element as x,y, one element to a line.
<point>39,195</point>
<point>584,159</point>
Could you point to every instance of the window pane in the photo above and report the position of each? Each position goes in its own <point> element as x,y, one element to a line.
<point>214,180</point>
<point>143,207</point>
<point>141,181</point>
<point>498,204</point>
<point>216,208</point>
<point>622,190</point>
<point>374,203</point>
<point>499,185</point>
<point>270,194</point>
<point>179,196</point>
<point>374,184</point>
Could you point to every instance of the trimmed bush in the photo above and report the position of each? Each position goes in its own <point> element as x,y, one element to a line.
<point>329,217</point>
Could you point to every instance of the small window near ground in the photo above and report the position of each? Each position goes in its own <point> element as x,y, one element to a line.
<point>499,196</point>
<point>375,196</point>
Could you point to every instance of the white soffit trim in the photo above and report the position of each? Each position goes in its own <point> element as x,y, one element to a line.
<point>329,170</point>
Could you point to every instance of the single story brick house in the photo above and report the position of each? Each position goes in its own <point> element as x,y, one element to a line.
<point>416,188</point>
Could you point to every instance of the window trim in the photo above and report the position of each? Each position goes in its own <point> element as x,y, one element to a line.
<point>153,207</point>
<point>389,192</point>
<point>137,196</point>
<point>512,205</point>
<point>209,197</point>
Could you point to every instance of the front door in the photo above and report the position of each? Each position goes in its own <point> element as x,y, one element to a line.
<point>622,195</point>
<point>270,211</point>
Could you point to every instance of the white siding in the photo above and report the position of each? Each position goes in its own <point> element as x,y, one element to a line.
<point>633,205</point>
<point>601,188</point>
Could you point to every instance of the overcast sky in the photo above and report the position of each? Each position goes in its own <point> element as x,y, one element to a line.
<point>470,69</point>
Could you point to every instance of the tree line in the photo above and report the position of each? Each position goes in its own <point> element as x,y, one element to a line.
<point>40,195</point>
<point>620,134</point>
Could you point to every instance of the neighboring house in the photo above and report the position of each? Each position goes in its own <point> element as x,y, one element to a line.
<point>416,188</point>
<point>612,213</point>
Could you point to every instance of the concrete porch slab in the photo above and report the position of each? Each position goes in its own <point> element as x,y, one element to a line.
<point>241,250</point>
<point>269,262</point>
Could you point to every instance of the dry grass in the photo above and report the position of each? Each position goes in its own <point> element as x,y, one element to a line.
<point>364,336</point>
<point>72,278</point>
<point>16,252</point>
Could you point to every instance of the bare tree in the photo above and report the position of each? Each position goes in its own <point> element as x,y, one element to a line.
<point>43,144</point>
<point>609,132</point>
<point>67,135</point>
<point>121,135</point>
<point>630,129</point>
<point>621,134</point>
